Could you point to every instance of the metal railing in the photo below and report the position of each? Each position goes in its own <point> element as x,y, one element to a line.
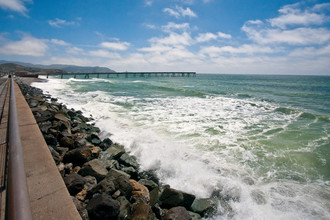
<point>18,202</point>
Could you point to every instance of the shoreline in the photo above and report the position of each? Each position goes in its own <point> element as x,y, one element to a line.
<point>95,170</point>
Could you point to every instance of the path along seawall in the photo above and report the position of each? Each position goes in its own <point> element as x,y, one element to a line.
<point>104,180</point>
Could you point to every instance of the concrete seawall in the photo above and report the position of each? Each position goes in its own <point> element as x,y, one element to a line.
<point>49,197</point>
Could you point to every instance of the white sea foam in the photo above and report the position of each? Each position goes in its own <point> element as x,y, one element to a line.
<point>204,146</point>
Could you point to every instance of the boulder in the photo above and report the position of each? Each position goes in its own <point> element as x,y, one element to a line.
<point>148,183</point>
<point>131,171</point>
<point>205,207</point>
<point>62,116</point>
<point>141,211</point>
<point>115,152</point>
<point>67,142</point>
<point>77,156</point>
<point>105,186</point>
<point>103,207</point>
<point>95,168</point>
<point>125,208</point>
<point>172,198</point>
<point>194,216</point>
<point>45,126</point>
<point>123,184</point>
<point>75,183</point>
<point>178,213</point>
<point>139,191</point>
<point>128,160</point>
<point>50,140</point>
<point>106,143</point>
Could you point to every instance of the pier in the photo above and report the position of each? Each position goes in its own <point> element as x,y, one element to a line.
<point>124,74</point>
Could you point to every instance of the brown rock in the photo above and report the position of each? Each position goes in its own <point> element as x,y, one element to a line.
<point>139,191</point>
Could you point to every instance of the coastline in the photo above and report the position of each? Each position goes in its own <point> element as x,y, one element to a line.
<point>99,172</point>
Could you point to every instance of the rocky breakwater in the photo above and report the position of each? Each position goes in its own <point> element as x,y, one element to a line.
<point>102,178</point>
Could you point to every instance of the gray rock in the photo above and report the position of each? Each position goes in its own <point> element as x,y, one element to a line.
<point>55,155</point>
<point>258,197</point>
<point>194,216</point>
<point>103,207</point>
<point>178,213</point>
<point>75,183</point>
<point>128,160</point>
<point>45,126</point>
<point>125,208</point>
<point>115,152</point>
<point>67,142</point>
<point>77,156</point>
<point>95,168</point>
<point>204,206</point>
<point>141,210</point>
<point>148,183</point>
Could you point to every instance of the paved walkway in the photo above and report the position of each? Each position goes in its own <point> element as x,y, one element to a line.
<point>49,197</point>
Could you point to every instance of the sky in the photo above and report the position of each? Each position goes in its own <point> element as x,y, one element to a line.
<point>204,36</point>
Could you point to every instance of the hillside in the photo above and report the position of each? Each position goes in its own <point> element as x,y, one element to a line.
<point>67,68</point>
<point>13,67</point>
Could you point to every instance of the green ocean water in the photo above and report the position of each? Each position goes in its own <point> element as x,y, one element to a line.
<point>260,141</point>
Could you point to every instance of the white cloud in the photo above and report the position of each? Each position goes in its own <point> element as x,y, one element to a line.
<point>206,37</point>
<point>104,53</point>
<point>298,36</point>
<point>248,49</point>
<point>180,12</point>
<point>148,2</point>
<point>223,35</point>
<point>293,15</point>
<point>173,39</point>
<point>75,50</point>
<point>60,23</point>
<point>14,5</point>
<point>115,45</point>
<point>27,46</point>
<point>59,42</point>
<point>171,26</point>
<point>172,12</point>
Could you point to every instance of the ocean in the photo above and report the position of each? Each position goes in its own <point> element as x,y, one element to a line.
<point>259,141</point>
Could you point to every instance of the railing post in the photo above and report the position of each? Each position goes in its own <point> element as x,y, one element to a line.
<point>18,202</point>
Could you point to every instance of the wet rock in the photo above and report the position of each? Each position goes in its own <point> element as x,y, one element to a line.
<point>77,156</point>
<point>131,171</point>
<point>139,191</point>
<point>95,168</point>
<point>178,213</point>
<point>258,197</point>
<point>103,207</point>
<point>75,183</point>
<point>123,184</point>
<point>113,174</point>
<point>128,160</point>
<point>154,196</point>
<point>172,198</point>
<point>106,143</point>
<point>204,206</point>
<point>194,216</point>
<point>148,183</point>
<point>95,151</point>
<point>115,152</point>
<point>159,212</point>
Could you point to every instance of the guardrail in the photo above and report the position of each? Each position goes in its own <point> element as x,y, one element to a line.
<point>18,202</point>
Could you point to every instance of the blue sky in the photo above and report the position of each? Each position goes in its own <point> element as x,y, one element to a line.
<point>206,36</point>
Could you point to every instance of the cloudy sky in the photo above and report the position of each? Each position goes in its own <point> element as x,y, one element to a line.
<point>206,36</point>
